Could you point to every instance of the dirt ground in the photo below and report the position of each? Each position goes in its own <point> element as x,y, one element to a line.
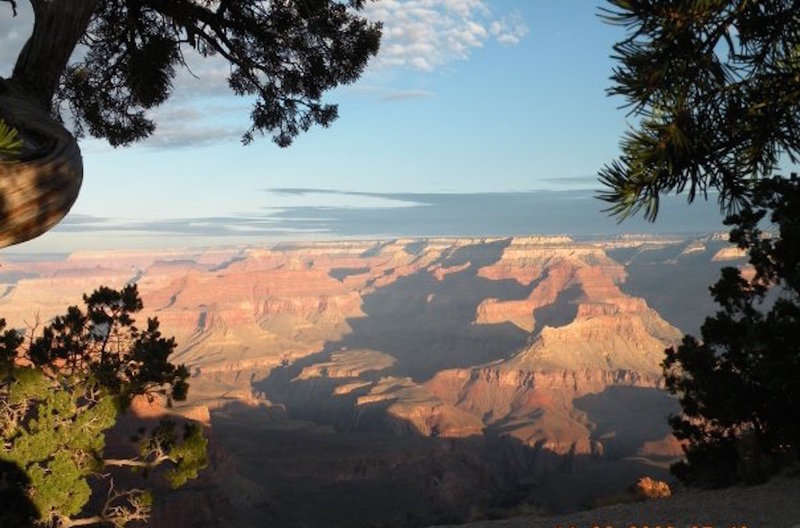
<point>772,505</point>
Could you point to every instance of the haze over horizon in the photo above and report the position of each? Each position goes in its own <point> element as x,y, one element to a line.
<point>307,214</point>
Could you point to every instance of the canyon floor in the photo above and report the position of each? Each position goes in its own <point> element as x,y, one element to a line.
<point>407,382</point>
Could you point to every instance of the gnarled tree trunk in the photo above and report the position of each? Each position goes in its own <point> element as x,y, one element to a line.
<point>57,28</point>
<point>38,190</point>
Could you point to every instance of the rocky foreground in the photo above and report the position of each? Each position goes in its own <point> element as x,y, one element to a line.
<point>772,505</point>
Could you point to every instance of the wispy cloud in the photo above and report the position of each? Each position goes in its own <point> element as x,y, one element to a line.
<point>427,34</point>
<point>186,135</point>
<point>573,212</point>
<point>218,226</point>
<point>188,127</point>
<point>510,29</point>
<point>405,95</point>
<point>184,124</point>
<point>202,77</point>
<point>587,181</point>
<point>389,94</point>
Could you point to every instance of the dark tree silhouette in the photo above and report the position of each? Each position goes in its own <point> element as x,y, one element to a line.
<point>738,386</point>
<point>715,90</point>
<point>62,389</point>
<point>285,54</point>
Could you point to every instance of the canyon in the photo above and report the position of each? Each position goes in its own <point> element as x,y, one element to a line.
<point>407,382</point>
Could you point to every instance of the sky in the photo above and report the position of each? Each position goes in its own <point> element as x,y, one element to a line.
<point>482,117</point>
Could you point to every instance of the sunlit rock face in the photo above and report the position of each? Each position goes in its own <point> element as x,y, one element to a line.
<point>548,345</point>
<point>454,336</point>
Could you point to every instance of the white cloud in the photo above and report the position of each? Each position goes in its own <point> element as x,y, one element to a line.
<point>510,29</point>
<point>427,34</point>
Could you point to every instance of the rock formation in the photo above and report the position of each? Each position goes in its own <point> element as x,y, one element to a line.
<point>546,346</point>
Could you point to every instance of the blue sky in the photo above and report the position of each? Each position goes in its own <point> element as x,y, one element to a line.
<point>467,97</point>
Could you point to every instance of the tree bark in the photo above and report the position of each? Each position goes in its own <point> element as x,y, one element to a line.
<point>57,28</point>
<point>132,462</point>
<point>39,190</point>
<point>66,522</point>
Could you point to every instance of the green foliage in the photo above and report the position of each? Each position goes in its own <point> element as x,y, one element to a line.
<point>10,143</point>
<point>738,387</point>
<point>191,454</point>
<point>713,86</point>
<point>64,388</point>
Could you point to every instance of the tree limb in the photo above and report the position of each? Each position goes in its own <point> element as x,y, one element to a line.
<point>13,6</point>
<point>66,522</point>
<point>130,462</point>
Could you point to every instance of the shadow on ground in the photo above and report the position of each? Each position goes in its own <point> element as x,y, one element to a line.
<point>627,417</point>
<point>268,471</point>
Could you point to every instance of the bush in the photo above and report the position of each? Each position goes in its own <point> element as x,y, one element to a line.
<point>64,387</point>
